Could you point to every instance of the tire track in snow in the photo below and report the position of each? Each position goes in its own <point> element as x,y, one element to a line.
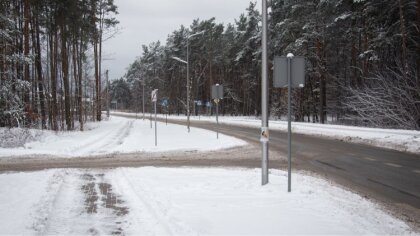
<point>116,139</point>
<point>108,140</point>
<point>102,202</point>
<point>161,219</point>
<point>45,208</point>
<point>81,203</point>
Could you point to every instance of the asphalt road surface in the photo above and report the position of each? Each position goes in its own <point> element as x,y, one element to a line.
<point>389,177</point>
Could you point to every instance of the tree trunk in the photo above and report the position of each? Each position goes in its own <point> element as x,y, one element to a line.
<point>404,39</point>
<point>96,62</point>
<point>65,70</point>
<point>418,44</point>
<point>26,53</point>
<point>80,95</point>
<point>322,83</point>
<point>39,75</point>
<point>53,67</point>
<point>97,83</point>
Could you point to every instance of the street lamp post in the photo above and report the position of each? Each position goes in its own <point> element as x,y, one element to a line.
<point>264,97</point>
<point>107,95</point>
<point>143,96</point>
<point>142,82</point>
<point>188,75</point>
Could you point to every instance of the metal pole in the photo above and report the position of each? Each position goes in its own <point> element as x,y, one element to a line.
<point>151,110</point>
<point>264,95</point>
<point>289,123</point>
<point>155,125</point>
<point>143,99</point>
<point>107,95</point>
<point>217,118</point>
<point>188,86</point>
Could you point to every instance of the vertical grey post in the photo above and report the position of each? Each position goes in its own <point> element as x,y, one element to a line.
<point>289,122</point>
<point>264,94</point>
<point>143,98</point>
<point>217,117</point>
<point>188,85</point>
<point>107,95</point>
<point>151,122</point>
<point>155,125</point>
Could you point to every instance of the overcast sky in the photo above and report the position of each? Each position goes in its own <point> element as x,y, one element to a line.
<point>146,21</point>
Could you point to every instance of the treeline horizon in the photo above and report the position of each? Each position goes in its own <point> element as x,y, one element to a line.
<point>362,60</point>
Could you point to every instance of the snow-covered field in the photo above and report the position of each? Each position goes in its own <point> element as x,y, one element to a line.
<point>402,140</point>
<point>117,135</point>
<point>183,201</point>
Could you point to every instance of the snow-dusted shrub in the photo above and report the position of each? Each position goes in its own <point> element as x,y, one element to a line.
<point>390,99</point>
<point>17,137</point>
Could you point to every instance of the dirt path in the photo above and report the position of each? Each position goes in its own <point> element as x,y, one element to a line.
<point>246,156</point>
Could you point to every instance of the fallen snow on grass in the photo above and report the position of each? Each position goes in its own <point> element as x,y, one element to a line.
<point>183,201</point>
<point>402,140</point>
<point>120,135</point>
<point>16,137</point>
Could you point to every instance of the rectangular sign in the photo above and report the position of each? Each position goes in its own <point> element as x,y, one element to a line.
<point>217,91</point>
<point>154,95</point>
<point>297,73</point>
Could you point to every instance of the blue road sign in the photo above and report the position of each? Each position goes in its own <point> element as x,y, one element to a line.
<point>164,102</point>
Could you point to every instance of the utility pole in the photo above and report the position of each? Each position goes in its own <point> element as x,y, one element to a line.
<point>289,122</point>
<point>188,85</point>
<point>107,95</point>
<point>264,97</point>
<point>143,96</point>
<point>188,76</point>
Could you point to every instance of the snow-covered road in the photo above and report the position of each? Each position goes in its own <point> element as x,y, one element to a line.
<point>182,201</point>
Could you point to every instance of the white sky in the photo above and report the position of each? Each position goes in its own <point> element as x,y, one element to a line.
<point>146,21</point>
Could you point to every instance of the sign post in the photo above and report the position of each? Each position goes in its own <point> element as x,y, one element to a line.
<point>217,95</point>
<point>199,104</point>
<point>165,104</point>
<point>289,72</point>
<point>142,83</point>
<point>154,100</point>
<point>107,95</point>
<point>151,110</point>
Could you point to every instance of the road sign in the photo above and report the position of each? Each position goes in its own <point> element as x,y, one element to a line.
<point>199,103</point>
<point>217,91</point>
<point>165,102</point>
<point>289,72</point>
<point>154,95</point>
<point>297,72</point>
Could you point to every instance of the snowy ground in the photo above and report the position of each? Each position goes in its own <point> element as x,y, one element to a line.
<point>402,140</point>
<point>117,135</point>
<point>182,201</point>
<point>168,201</point>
